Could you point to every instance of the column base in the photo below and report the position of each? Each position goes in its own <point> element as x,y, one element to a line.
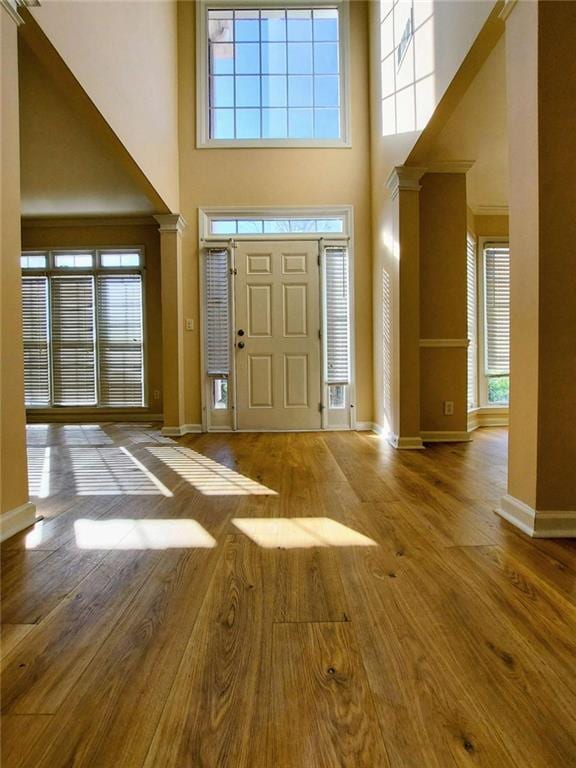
<point>16,520</point>
<point>539,524</point>
<point>183,429</point>
<point>405,443</point>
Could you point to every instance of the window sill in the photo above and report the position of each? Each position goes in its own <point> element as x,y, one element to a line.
<point>488,416</point>
<point>70,414</point>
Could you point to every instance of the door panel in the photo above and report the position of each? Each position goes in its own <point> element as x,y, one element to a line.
<point>278,309</point>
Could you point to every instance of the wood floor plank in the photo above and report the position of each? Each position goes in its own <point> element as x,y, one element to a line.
<point>20,735</point>
<point>10,636</point>
<point>217,708</point>
<point>322,714</point>
<point>307,585</point>
<point>43,670</point>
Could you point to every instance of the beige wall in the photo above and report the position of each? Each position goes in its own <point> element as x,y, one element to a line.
<point>490,226</point>
<point>278,177</point>
<point>13,477</point>
<point>124,55</point>
<point>105,233</point>
<point>443,299</point>
<point>66,168</point>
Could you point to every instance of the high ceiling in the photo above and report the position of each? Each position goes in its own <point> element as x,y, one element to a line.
<point>477,131</point>
<point>66,169</point>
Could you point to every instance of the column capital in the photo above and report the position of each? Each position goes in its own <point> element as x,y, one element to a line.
<point>171,222</point>
<point>405,178</point>
<point>509,6</point>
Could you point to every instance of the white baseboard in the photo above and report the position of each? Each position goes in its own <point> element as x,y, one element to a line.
<point>15,520</point>
<point>365,426</point>
<point>544,524</point>
<point>405,443</point>
<point>446,437</point>
<point>488,417</point>
<point>183,429</point>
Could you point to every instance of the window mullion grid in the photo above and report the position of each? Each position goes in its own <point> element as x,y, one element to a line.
<point>313,78</point>
<point>260,74</point>
<point>234,70</point>
<point>288,106</point>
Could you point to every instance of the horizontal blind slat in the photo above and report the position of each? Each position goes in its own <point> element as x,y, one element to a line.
<point>35,338</point>
<point>497,307</point>
<point>217,297</point>
<point>337,316</point>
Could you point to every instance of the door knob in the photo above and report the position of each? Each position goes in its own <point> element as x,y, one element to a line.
<point>240,332</point>
<point>240,345</point>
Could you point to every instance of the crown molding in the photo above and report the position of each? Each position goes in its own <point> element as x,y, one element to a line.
<point>171,222</point>
<point>450,166</point>
<point>405,178</point>
<point>490,210</point>
<point>509,6</point>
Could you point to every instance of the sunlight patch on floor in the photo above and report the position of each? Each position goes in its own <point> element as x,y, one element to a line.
<point>301,532</point>
<point>112,471</point>
<point>126,533</point>
<point>208,476</point>
<point>39,472</point>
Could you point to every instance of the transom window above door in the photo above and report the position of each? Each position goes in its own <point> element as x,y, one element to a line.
<point>272,75</point>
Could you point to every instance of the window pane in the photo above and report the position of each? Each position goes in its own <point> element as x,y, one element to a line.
<point>300,92</point>
<point>326,24</point>
<point>273,25</point>
<point>329,225</point>
<point>274,123</point>
<point>73,260</point>
<point>33,262</point>
<point>336,396</point>
<point>220,394</point>
<point>250,227</point>
<point>299,25</point>
<point>300,124</point>
<point>302,225</point>
<point>247,29</point>
<point>274,58</point>
<point>220,30</point>
<point>326,123</point>
<point>222,91</point>
<point>300,58</point>
<point>247,58</point>
<point>223,228</point>
<point>498,390</point>
<point>120,259</point>
<point>248,91</point>
<point>221,59</point>
<point>222,123</point>
<point>327,91</point>
<point>247,124</point>
<point>274,91</point>
<point>326,58</point>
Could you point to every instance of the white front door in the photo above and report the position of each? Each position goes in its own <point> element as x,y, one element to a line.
<point>277,336</point>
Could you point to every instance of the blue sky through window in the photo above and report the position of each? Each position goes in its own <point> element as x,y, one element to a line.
<point>274,74</point>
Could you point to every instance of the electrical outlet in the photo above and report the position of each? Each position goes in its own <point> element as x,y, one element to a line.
<point>189,325</point>
<point>448,408</point>
<point>156,394</point>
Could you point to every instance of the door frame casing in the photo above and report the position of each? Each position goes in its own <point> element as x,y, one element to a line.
<point>207,240</point>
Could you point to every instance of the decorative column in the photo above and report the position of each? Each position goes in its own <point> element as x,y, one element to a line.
<point>404,186</point>
<point>16,511</point>
<point>171,228</point>
<point>541,93</point>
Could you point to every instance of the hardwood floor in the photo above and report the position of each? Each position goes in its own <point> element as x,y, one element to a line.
<point>281,601</point>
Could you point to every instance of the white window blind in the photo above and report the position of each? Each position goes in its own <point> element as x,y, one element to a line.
<point>337,315</point>
<point>472,319</point>
<point>497,309</point>
<point>35,335</point>
<point>120,340</point>
<point>73,340</point>
<point>217,294</point>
